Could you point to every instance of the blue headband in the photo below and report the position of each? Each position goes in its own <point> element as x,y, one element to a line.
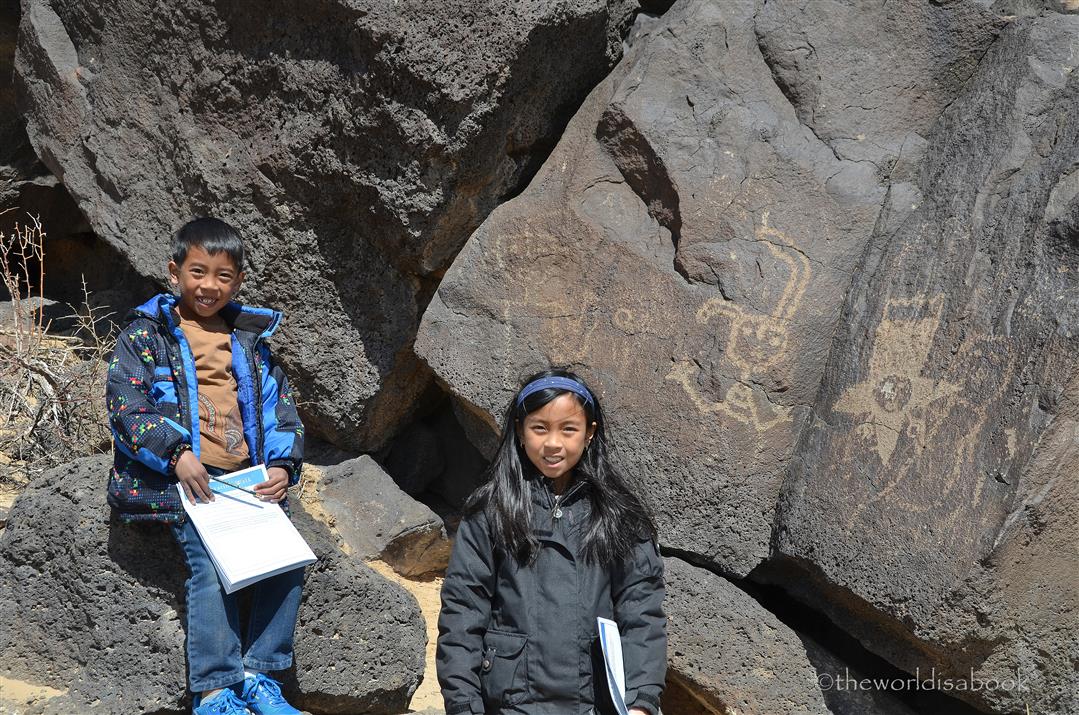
<point>561,383</point>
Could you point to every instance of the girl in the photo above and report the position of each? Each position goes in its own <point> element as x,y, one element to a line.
<point>552,540</point>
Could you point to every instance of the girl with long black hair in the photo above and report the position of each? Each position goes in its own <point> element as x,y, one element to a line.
<point>552,540</point>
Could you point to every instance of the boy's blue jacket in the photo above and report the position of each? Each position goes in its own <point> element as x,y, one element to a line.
<point>152,399</point>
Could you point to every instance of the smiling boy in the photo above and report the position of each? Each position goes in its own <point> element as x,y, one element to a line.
<point>193,392</point>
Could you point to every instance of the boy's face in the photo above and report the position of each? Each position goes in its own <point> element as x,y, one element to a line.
<point>206,282</point>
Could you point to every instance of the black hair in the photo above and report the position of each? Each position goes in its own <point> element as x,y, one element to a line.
<point>211,235</point>
<point>619,520</point>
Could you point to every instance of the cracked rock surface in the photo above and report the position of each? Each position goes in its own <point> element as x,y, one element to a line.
<point>691,240</point>
<point>354,147</point>
<point>825,285</point>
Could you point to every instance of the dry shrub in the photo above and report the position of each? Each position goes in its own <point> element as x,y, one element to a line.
<point>52,387</point>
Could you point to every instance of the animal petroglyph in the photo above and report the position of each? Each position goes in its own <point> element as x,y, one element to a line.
<point>755,342</point>
<point>932,416</point>
<point>895,398</point>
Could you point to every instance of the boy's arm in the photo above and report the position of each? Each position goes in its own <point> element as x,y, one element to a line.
<point>138,428</point>
<point>282,428</point>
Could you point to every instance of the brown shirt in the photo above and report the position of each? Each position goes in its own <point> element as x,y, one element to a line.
<point>220,425</point>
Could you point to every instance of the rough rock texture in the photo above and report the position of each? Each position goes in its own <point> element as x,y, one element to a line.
<point>26,186</point>
<point>773,247</point>
<point>689,243</point>
<point>355,148</point>
<point>928,449</point>
<point>731,653</point>
<point>378,520</point>
<point>85,607</point>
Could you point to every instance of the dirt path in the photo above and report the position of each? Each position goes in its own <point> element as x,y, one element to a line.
<point>428,697</point>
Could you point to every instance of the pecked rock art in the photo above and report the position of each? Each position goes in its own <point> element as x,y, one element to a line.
<point>664,256</point>
<point>894,400</point>
<point>898,401</point>
<point>929,441</point>
<point>755,341</point>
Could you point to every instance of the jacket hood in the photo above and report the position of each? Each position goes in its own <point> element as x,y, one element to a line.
<point>260,321</point>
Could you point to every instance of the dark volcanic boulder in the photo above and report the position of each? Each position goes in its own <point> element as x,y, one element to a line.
<point>26,186</point>
<point>689,243</point>
<point>927,509</point>
<point>98,611</point>
<point>730,652</point>
<point>354,147</point>
<point>379,521</point>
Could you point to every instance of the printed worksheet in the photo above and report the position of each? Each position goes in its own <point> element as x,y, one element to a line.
<point>610,642</point>
<point>247,539</point>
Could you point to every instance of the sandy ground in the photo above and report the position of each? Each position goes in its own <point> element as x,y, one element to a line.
<point>428,697</point>
<point>17,695</point>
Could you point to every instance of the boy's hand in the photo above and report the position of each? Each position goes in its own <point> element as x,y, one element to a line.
<point>274,488</point>
<point>193,478</point>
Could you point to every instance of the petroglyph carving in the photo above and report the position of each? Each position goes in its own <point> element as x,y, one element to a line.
<point>895,398</point>
<point>933,416</point>
<point>755,342</point>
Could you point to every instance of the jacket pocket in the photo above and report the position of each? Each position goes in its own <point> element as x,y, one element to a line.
<point>504,668</point>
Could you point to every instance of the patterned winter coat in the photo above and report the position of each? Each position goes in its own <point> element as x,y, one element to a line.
<point>152,399</point>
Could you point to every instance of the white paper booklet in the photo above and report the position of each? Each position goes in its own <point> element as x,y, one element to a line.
<point>247,539</point>
<point>610,642</point>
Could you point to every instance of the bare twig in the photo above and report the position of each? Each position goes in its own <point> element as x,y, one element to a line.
<point>51,386</point>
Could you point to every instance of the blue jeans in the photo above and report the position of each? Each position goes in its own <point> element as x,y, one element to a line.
<point>216,656</point>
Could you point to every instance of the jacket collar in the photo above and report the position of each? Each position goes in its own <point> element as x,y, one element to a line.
<point>543,496</point>
<point>262,322</point>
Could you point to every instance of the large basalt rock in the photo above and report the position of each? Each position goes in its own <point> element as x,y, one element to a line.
<point>689,244</point>
<point>354,147</point>
<point>27,189</point>
<point>380,521</point>
<point>926,508</point>
<point>98,610</point>
<point>731,653</point>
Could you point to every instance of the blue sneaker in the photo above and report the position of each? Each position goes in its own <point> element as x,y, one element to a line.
<point>262,695</point>
<point>224,703</point>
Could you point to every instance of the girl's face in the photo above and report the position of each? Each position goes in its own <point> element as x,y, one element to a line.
<point>555,436</point>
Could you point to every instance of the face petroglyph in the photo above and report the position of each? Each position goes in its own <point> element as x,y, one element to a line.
<point>912,421</point>
<point>893,393</point>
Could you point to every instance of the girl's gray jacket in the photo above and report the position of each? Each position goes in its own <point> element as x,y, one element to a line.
<point>522,639</point>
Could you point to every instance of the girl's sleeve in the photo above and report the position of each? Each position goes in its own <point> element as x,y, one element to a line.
<point>138,428</point>
<point>638,591</point>
<point>466,611</point>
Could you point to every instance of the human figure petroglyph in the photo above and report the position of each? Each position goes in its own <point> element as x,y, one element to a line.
<point>755,342</point>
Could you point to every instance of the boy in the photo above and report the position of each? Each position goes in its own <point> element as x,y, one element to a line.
<point>193,393</point>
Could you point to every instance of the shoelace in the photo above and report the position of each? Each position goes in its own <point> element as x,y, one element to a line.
<point>271,687</point>
<point>226,703</point>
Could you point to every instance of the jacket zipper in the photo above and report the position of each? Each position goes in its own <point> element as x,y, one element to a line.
<point>556,500</point>
<point>256,379</point>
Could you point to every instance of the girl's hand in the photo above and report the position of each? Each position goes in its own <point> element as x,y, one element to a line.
<point>276,487</point>
<point>193,478</point>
